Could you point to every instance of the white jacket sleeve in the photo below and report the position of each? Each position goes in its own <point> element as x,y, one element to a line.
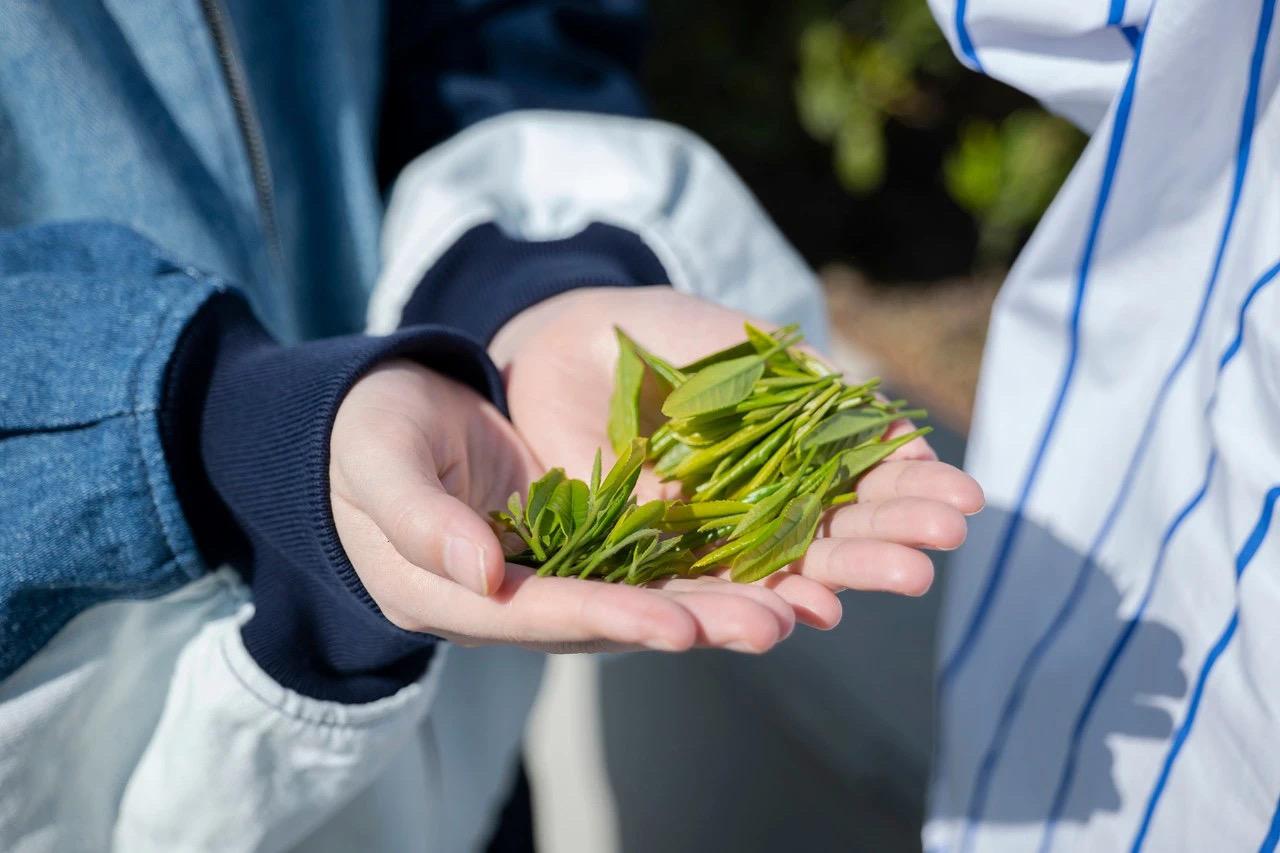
<point>145,725</point>
<point>1070,56</point>
<point>542,175</point>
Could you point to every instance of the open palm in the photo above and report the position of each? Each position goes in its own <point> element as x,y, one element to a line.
<point>559,358</point>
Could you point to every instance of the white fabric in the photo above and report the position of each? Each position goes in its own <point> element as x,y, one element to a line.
<point>145,725</point>
<point>1061,52</point>
<point>546,175</point>
<point>1140,222</point>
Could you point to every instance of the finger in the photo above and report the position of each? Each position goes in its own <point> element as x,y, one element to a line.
<point>393,480</point>
<point>922,479</point>
<point>551,614</point>
<point>868,565</point>
<point>916,522</point>
<point>769,600</point>
<point>546,612</point>
<point>814,604</point>
<point>728,621</point>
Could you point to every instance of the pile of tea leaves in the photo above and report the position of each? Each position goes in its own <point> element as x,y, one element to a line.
<point>763,439</point>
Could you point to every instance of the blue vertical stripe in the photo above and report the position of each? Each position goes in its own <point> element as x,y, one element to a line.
<point>1067,775</point>
<point>1113,657</point>
<point>1013,702</point>
<point>1268,844</point>
<point>967,50</point>
<point>1116,13</point>
<point>1131,35</point>
<point>1243,559</point>
<point>996,574</point>
<point>1180,736</point>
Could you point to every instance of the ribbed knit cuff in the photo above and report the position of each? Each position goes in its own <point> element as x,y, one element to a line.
<point>487,277</point>
<point>246,424</point>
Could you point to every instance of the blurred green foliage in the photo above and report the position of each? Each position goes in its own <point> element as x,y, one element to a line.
<point>873,63</point>
<point>1006,174</point>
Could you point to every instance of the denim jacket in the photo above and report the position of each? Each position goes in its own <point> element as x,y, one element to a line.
<point>156,156</point>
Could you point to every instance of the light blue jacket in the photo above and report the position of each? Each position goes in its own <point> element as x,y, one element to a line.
<point>156,152</point>
<point>228,141</point>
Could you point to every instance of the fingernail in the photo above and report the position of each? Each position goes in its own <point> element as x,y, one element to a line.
<point>662,645</point>
<point>466,563</point>
<point>740,646</point>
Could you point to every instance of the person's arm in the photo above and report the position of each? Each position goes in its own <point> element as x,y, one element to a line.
<point>543,191</point>
<point>541,173</point>
<point>150,430</point>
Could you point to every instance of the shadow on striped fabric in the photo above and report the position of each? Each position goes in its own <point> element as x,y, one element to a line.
<point>1022,790</point>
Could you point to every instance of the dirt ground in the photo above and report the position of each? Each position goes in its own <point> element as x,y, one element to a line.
<point>926,339</point>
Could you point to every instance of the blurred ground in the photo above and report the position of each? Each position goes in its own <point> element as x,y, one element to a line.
<point>927,338</point>
<point>824,743</point>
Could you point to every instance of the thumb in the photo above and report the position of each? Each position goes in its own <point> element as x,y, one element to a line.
<point>435,531</point>
<point>397,487</point>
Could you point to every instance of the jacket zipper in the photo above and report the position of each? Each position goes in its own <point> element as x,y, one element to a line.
<point>246,119</point>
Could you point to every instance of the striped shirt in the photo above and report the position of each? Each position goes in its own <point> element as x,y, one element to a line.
<point>1109,676</point>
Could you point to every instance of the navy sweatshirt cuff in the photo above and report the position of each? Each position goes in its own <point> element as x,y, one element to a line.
<point>246,426</point>
<point>487,277</point>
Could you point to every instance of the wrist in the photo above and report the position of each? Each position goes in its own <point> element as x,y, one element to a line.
<point>489,277</point>
<point>246,426</point>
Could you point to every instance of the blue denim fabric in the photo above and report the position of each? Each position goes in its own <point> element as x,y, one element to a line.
<point>89,315</point>
<point>119,111</point>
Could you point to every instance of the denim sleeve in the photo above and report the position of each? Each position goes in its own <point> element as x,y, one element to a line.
<point>150,427</point>
<point>487,276</point>
<point>89,314</point>
<point>452,64</point>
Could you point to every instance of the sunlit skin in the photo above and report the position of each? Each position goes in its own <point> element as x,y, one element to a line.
<point>418,460</point>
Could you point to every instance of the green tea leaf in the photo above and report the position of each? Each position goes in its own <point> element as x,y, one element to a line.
<point>758,494</point>
<point>720,526</point>
<point>763,438</point>
<point>853,463</point>
<point>578,502</point>
<point>665,371</point>
<point>672,459</point>
<point>759,339</point>
<point>559,509</point>
<point>624,403</point>
<point>757,415</point>
<point>540,491</point>
<point>678,512</point>
<point>748,464</point>
<point>514,506</point>
<point>622,476</point>
<point>760,401</point>
<point>636,518</point>
<point>764,511</point>
<point>661,441</point>
<point>716,387</point>
<point>846,427</point>
<point>787,542</point>
<point>611,549</point>
<point>735,351</point>
<point>737,546</point>
<point>779,382</point>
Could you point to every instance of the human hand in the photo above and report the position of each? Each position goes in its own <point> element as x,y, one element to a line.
<point>559,358</point>
<point>417,461</point>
